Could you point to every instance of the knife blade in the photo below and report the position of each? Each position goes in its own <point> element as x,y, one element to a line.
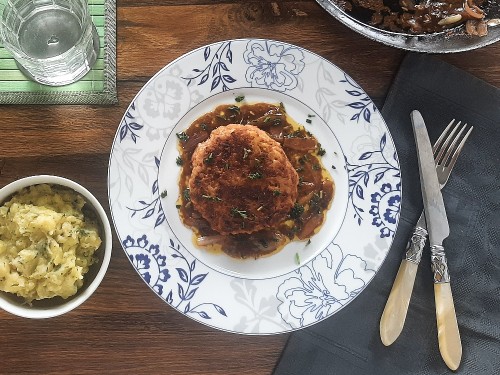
<point>438,228</point>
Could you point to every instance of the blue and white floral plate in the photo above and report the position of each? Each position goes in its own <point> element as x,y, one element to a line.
<point>275,294</point>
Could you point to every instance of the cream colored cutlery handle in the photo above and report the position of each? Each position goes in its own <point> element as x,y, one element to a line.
<point>450,345</point>
<point>394,315</point>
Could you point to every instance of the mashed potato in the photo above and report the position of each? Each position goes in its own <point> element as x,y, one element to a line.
<point>46,243</point>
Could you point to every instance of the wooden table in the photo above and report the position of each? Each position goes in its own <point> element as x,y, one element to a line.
<point>124,327</point>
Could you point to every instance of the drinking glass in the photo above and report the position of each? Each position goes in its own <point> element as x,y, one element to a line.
<point>54,42</point>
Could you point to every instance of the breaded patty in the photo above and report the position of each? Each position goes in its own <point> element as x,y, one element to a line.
<point>241,180</point>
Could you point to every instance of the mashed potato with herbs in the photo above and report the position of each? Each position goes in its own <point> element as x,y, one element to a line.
<point>46,243</point>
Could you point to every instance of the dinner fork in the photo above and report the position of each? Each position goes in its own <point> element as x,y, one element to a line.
<point>446,151</point>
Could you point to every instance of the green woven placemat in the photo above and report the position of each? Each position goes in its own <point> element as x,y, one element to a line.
<point>97,87</point>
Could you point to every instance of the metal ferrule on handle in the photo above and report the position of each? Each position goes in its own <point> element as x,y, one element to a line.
<point>416,245</point>
<point>439,265</point>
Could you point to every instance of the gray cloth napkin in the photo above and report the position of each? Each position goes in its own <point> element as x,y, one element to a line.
<point>349,342</point>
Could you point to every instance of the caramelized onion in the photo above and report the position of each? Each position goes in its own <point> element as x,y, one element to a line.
<point>473,10</point>
<point>300,144</point>
<point>209,240</point>
<point>309,226</point>
<point>476,27</point>
<point>192,142</point>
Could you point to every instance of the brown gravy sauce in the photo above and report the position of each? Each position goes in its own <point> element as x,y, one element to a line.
<point>315,189</point>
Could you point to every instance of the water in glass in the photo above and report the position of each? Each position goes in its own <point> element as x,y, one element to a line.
<point>53,41</point>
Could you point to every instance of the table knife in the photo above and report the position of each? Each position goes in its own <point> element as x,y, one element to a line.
<point>450,345</point>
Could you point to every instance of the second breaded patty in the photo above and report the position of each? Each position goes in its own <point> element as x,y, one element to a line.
<point>241,180</point>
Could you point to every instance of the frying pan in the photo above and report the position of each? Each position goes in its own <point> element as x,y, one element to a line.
<point>449,41</point>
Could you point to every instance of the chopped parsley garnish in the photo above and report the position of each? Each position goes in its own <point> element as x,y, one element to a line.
<point>234,108</point>
<point>276,193</point>
<point>311,116</point>
<point>334,167</point>
<point>321,150</point>
<point>296,211</point>
<point>297,259</point>
<point>315,201</point>
<point>309,121</point>
<point>182,136</point>
<point>211,198</point>
<point>209,159</point>
<point>163,194</point>
<point>178,206</point>
<point>239,98</point>
<point>255,176</point>
<point>236,212</point>
<point>179,160</point>
<point>186,195</point>
<point>308,242</point>
<point>204,126</point>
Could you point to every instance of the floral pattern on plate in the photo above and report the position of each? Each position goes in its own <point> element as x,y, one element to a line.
<point>318,288</point>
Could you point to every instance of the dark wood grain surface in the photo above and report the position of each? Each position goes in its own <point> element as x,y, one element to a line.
<point>124,327</point>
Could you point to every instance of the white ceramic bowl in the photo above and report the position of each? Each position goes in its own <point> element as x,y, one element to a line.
<point>51,307</point>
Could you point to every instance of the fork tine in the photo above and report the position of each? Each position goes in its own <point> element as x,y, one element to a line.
<point>448,143</point>
<point>452,157</point>
<point>450,148</point>
<point>437,145</point>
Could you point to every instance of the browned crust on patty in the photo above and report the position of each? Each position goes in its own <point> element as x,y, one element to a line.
<point>241,180</point>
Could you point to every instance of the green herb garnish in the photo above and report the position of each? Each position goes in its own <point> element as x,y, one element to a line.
<point>237,212</point>
<point>179,160</point>
<point>297,259</point>
<point>211,198</point>
<point>276,193</point>
<point>209,159</point>
<point>186,195</point>
<point>239,98</point>
<point>308,120</point>
<point>255,176</point>
<point>163,194</point>
<point>296,211</point>
<point>182,136</point>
